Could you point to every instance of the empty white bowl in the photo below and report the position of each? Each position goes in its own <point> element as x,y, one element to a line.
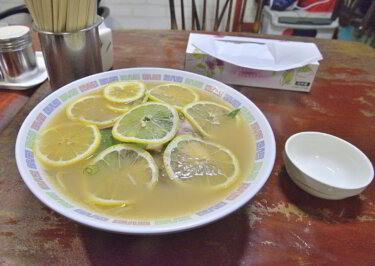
<point>326,166</point>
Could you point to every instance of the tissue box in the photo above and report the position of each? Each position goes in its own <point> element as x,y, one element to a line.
<point>210,63</point>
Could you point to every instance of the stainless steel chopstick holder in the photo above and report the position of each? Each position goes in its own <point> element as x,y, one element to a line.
<point>71,55</point>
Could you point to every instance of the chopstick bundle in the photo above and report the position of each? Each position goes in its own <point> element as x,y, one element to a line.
<point>62,15</point>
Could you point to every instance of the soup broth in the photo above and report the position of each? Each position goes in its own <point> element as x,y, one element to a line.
<point>167,198</point>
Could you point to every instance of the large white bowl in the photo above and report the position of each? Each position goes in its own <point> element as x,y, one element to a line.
<point>36,180</point>
<point>327,166</point>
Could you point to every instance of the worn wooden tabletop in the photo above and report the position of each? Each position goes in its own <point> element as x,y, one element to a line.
<point>281,225</point>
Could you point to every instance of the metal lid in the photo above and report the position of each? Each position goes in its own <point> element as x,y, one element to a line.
<point>14,37</point>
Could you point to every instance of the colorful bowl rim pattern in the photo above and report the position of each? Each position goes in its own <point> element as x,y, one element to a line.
<point>35,179</point>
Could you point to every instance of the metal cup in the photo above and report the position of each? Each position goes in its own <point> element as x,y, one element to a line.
<point>71,55</point>
<point>17,58</point>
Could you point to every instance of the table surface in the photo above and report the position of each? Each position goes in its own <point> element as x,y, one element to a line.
<point>282,224</point>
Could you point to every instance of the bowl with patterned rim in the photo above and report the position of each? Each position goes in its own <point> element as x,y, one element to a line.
<point>36,180</point>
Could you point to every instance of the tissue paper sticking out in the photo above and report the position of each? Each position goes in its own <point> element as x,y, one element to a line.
<point>261,54</point>
<point>253,62</point>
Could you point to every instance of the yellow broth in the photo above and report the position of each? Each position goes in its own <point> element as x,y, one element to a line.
<point>167,199</point>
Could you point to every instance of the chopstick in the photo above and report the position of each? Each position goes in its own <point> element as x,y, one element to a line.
<point>32,10</point>
<point>71,15</point>
<point>82,13</point>
<point>91,14</point>
<point>62,15</point>
<point>55,8</point>
<point>61,24</point>
<point>47,14</point>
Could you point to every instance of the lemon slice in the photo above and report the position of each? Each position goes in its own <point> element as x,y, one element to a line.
<point>92,110</point>
<point>192,161</point>
<point>124,107</point>
<point>148,123</point>
<point>116,169</point>
<point>124,92</point>
<point>175,94</point>
<point>207,117</point>
<point>67,144</point>
<point>127,162</point>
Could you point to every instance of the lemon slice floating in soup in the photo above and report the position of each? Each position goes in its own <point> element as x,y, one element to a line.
<point>92,110</point>
<point>124,107</point>
<point>128,162</point>
<point>192,161</point>
<point>66,144</point>
<point>116,169</point>
<point>177,95</point>
<point>148,123</point>
<point>124,92</point>
<point>208,117</point>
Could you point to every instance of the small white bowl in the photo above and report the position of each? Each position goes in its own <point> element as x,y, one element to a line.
<point>326,166</point>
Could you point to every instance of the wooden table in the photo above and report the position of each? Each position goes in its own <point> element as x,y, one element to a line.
<point>281,225</point>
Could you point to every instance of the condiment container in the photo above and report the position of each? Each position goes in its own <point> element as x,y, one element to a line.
<point>17,58</point>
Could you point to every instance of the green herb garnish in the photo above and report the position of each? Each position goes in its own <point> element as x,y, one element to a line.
<point>234,113</point>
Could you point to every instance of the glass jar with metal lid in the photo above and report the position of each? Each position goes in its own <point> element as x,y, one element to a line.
<point>17,58</point>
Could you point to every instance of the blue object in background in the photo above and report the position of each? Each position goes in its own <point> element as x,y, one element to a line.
<point>346,33</point>
<point>281,5</point>
<point>305,33</point>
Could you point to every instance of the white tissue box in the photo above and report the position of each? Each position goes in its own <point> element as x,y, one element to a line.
<point>206,55</point>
